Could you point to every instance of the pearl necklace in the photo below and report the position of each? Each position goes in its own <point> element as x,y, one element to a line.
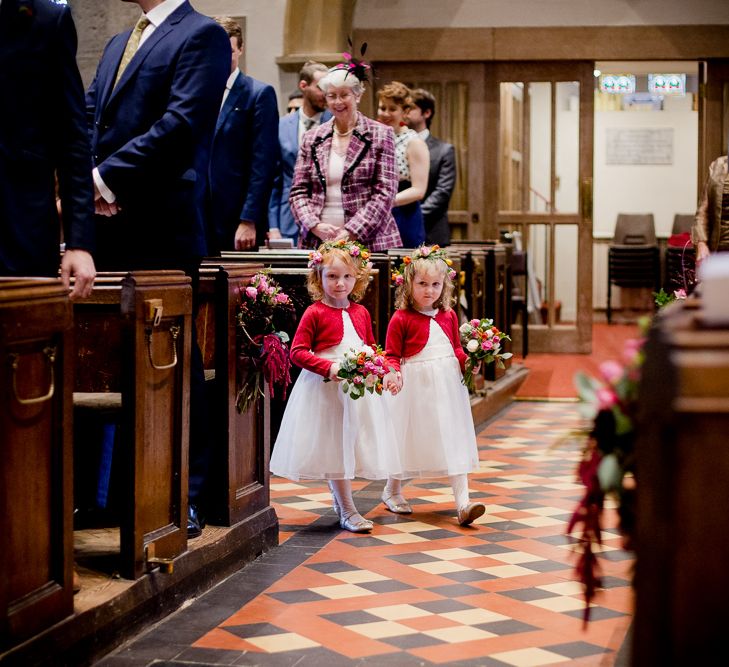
<point>343,134</point>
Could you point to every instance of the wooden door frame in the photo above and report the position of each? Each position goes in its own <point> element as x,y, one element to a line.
<point>550,339</point>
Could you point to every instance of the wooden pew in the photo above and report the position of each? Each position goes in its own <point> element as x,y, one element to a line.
<point>241,445</point>
<point>133,352</point>
<point>36,558</point>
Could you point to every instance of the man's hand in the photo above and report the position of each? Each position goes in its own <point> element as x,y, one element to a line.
<point>103,207</point>
<point>245,235</point>
<point>274,233</point>
<point>80,264</point>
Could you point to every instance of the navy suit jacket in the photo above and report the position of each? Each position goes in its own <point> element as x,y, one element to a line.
<point>151,137</point>
<point>243,162</point>
<point>279,211</point>
<point>42,131</point>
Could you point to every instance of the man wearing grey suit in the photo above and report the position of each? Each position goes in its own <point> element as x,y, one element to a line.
<point>442,174</point>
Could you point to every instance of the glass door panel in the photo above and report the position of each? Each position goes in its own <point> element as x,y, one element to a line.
<point>544,192</point>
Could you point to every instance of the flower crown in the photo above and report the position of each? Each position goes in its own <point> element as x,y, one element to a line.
<point>358,68</point>
<point>352,248</point>
<point>432,252</point>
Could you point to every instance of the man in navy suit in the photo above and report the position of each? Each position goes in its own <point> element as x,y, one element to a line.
<point>152,110</point>
<point>290,130</point>
<point>442,173</point>
<point>42,131</point>
<point>152,117</point>
<point>245,151</point>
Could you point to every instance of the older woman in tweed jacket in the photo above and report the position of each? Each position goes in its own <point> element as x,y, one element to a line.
<point>345,179</point>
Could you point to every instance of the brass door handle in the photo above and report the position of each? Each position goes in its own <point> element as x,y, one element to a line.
<point>586,198</point>
<point>174,333</point>
<point>50,353</point>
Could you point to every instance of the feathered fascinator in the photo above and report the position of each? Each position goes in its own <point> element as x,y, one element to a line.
<point>357,67</point>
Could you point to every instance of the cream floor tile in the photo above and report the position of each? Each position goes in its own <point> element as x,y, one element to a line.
<point>411,526</point>
<point>398,612</point>
<point>540,521</point>
<point>401,538</point>
<point>474,616</point>
<point>306,505</point>
<point>564,486</point>
<point>381,629</point>
<point>516,557</point>
<point>288,641</point>
<point>563,588</point>
<point>285,486</point>
<point>341,591</point>
<point>439,567</point>
<point>452,554</point>
<point>441,498</point>
<point>317,496</point>
<point>462,633</point>
<point>493,509</point>
<point>561,604</point>
<point>547,511</point>
<point>512,485</point>
<point>358,576</point>
<point>529,657</point>
<point>506,571</point>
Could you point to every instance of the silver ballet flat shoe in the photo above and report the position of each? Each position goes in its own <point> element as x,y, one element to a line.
<point>470,513</point>
<point>397,508</point>
<point>356,524</point>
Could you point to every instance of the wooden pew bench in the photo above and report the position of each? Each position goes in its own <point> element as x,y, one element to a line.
<point>239,488</point>
<point>36,559</point>
<point>133,363</point>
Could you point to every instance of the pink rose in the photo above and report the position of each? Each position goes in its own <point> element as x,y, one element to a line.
<point>606,398</point>
<point>357,379</point>
<point>424,251</point>
<point>487,345</point>
<point>251,292</point>
<point>354,251</point>
<point>611,371</point>
<point>282,298</point>
<point>399,280</point>
<point>475,323</point>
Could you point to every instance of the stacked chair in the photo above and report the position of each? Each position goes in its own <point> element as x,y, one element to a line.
<point>680,256</point>
<point>633,257</point>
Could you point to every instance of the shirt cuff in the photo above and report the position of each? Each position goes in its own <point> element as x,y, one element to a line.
<point>107,194</point>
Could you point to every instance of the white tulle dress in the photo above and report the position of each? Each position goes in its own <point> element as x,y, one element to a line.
<point>432,413</point>
<point>325,434</point>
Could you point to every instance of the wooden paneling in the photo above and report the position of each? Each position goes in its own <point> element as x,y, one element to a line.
<point>667,42</point>
<point>36,501</point>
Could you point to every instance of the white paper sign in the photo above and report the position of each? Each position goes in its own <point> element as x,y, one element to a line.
<point>633,145</point>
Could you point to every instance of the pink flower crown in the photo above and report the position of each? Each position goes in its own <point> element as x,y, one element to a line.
<point>432,252</point>
<point>352,248</point>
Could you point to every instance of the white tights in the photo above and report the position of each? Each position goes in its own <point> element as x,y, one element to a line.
<point>342,492</point>
<point>459,483</point>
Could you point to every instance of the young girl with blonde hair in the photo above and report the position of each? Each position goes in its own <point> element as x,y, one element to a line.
<point>324,433</point>
<point>430,409</point>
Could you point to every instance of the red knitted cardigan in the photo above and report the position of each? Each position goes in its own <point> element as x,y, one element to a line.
<point>320,328</point>
<point>408,331</point>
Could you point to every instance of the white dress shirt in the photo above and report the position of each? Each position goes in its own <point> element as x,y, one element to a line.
<point>316,118</point>
<point>229,84</point>
<point>424,134</point>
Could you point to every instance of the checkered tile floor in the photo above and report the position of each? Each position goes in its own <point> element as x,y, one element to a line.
<point>420,590</point>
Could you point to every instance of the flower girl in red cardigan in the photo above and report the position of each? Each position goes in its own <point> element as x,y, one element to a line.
<point>325,434</point>
<point>430,408</point>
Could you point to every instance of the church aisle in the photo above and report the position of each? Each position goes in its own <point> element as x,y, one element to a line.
<point>420,589</point>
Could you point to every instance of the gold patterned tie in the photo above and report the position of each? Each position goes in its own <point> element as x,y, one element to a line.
<point>132,46</point>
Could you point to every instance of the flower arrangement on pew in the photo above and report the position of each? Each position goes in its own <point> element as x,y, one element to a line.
<point>608,462</point>
<point>265,316</point>
<point>484,344</point>
<point>362,370</point>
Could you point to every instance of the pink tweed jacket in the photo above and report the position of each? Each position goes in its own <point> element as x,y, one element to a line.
<point>369,183</point>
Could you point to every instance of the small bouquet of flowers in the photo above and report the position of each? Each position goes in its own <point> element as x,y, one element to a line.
<point>362,370</point>
<point>483,343</point>
<point>264,316</point>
